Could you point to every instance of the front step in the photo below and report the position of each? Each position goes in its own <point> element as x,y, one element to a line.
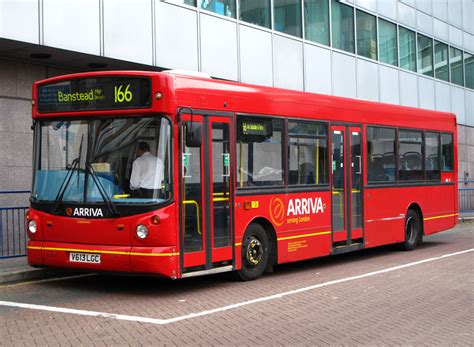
<point>347,248</point>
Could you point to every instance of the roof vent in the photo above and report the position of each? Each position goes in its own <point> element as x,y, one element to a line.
<point>188,73</point>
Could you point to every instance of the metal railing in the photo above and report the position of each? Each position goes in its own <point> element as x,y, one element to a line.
<point>13,237</point>
<point>466,196</point>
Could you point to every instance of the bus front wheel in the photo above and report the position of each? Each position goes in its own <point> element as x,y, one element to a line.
<point>412,231</point>
<point>255,252</point>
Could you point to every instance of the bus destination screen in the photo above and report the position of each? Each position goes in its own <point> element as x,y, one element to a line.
<point>89,94</point>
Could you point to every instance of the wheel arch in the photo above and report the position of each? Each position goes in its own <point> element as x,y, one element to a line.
<point>270,230</point>
<point>416,207</point>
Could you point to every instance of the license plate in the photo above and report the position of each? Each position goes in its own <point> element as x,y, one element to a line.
<point>84,258</point>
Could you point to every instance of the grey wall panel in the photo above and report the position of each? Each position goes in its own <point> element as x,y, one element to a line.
<point>367,80</point>
<point>19,20</point>
<point>443,97</point>
<point>467,16</point>
<point>288,63</point>
<point>457,104</point>
<point>256,64</point>
<point>387,8</point>
<point>72,25</point>
<point>425,6</point>
<point>389,85</point>
<point>455,13</point>
<point>343,75</point>
<point>424,23</point>
<point>440,30</point>
<point>406,15</point>
<point>455,36</point>
<point>468,42</point>
<point>176,37</point>
<point>440,9</point>
<point>408,2</point>
<point>371,5</point>
<point>408,89</point>
<point>218,47</point>
<point>317,70</point>
<point>426,93</point>
<point>128,30</point>
<point>469,99</point>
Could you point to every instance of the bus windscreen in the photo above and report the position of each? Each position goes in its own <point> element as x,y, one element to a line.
<point>105,93</point>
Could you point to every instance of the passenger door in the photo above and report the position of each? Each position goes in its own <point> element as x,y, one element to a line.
<point>346,187</point>
<point>206,201</point>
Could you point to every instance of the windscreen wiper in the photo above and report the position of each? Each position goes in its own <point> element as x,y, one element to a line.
<point>59,197</point>
<point>75,164</point>
<point>108,202</point>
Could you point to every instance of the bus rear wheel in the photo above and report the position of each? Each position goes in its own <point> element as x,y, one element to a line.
<point>255,253</point>
<point>412,231</point>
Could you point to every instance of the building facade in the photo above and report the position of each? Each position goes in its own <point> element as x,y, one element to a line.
<point>415,53</point>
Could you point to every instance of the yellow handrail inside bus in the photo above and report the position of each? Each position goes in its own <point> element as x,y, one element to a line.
<point>317,161</point>
<point>195,203</point>
<point>220,199</point>
<point>241,181</point>
<point>121,196</point>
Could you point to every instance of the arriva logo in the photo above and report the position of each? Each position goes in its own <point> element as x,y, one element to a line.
<point>87,212</point>
<point>298,207</point>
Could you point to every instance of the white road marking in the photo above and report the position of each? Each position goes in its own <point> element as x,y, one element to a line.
<point>55,279</point>
<point>223,308</point>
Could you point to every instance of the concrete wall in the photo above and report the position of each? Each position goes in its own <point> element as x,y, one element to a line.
<point>16,136</point>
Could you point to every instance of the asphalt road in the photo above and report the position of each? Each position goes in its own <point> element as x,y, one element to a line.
<point>377,296</point>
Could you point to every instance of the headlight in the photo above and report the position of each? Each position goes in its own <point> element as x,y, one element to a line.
<point>32,226</point>
<point>142,231</point>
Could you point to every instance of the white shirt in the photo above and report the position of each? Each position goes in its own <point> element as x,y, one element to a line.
<point>147,172</point>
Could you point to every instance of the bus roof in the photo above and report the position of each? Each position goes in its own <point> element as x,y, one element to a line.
<point>200,92</point>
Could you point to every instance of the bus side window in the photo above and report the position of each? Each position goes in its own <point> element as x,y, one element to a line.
<point>308,156</point>
<point>447,152</point>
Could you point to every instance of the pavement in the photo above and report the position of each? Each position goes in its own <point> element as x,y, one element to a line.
<point>13,270</point>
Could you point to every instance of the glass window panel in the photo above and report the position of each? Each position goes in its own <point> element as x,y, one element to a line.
<point>256,12</point>
<point>316,16</point>
<point>388,42</point>
<point>447,152</point>
<point>407,47</point>
<point>469,67</point>
<point>381,154</point>
<point>222,7</point>
<point>308,157</point>
<point>455,64</point>
<point>342,26</point>
<point>432,147</point>
<point>441,61</point>
<point>425,55</point>
<point>185,2</point>
<point>366,35</point>
<point>259,157</point>
<point>288,17</point>
<point>410,165</point>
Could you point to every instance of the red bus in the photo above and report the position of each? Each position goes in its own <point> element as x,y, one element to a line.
<point>181,175</point>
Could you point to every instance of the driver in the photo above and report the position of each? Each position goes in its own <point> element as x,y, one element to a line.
<point>147,173</point>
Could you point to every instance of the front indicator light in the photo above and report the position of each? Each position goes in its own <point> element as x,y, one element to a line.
<point>32,226</point>
<point>142,231</point>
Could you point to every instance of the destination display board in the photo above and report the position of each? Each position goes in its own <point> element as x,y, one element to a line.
<point>90,94</point>
<point>254,129</point>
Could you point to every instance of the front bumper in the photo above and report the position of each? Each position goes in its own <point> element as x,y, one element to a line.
<point>147,260</point>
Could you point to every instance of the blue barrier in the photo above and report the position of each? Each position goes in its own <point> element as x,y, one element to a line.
<point>466,196</point>
<point>13,237</point>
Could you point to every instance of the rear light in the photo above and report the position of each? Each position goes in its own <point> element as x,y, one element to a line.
<point>142,231</point>
<point>32,226</point>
